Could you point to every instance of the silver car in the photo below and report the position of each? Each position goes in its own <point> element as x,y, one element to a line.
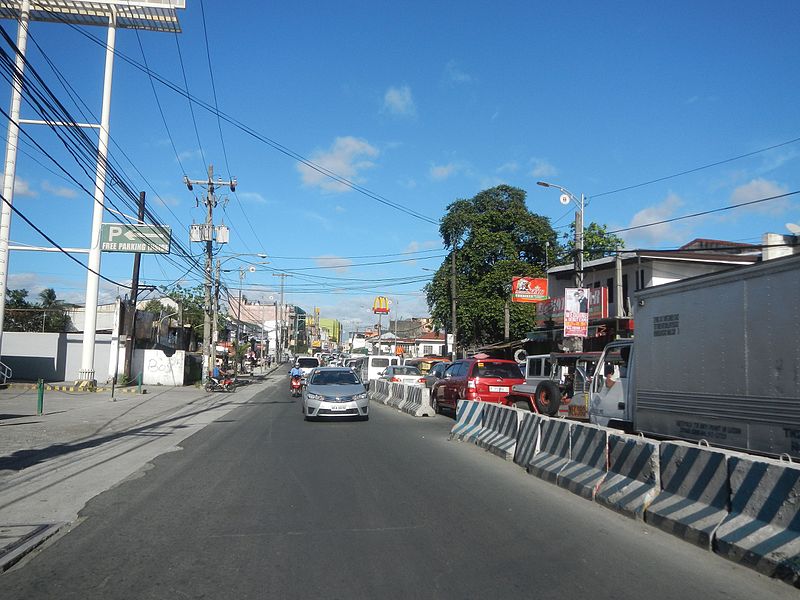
<point>335,392</point>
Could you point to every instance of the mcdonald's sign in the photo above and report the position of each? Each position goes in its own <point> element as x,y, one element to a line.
<point>381,305</point>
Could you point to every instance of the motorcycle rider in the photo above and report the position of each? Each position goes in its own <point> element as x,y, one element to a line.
<point>295,372</point>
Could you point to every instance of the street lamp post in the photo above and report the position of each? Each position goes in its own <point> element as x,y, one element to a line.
<point>566,198</point>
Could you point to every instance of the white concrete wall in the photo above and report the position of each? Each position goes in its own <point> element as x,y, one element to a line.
<point>157,368</point>
<point>52,356</point>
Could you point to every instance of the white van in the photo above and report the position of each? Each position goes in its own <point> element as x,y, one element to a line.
<point>374,364</point>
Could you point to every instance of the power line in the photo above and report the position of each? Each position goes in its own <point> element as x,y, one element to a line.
<point>696,169</point>
<point>705,212</point>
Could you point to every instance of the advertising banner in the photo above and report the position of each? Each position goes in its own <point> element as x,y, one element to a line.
<point>576,312</point>
<point>551,312</point>
<point>528,289</point>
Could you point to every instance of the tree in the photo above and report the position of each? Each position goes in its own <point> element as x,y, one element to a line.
<point>494,237</point>
<point>50,315</point>
<point>597,243</point>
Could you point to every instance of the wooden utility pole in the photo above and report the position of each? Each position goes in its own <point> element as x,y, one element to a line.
<point>130,314</point>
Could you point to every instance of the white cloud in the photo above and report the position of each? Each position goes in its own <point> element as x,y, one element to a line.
<point>346,158</point>
<point>415,246</point>
<point>757,189</point>
<point>189,155</point>
<point>60,191</point>
<point>660,235</point>
<point>23,188</point>
<point>541,168</point>
<point>254,197</point>
<point>339,264</point>
<point>442,172</point>
<point>509,167</point>
<point>398,101</point>
<point>456,75</point>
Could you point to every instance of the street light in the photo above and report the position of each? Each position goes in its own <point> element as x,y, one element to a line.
<point>566,198</point>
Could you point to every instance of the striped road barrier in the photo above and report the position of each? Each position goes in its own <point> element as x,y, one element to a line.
<point>528,438</point>
<point>632,482</point>
<point>396,394</point>
<point>694,494</point>
<point>555,452</point>
<point>379,391</point>
<point>418,401</point>
<point>500,427</point>
<point>588,467</point>
<point>469,420</point>
<point>763,528</point>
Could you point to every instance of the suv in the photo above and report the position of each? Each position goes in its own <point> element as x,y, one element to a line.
<point>306,364</point>
<point>487,380</point>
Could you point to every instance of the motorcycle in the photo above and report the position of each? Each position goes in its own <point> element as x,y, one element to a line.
<point>223,384</point>
<point>296,386</point>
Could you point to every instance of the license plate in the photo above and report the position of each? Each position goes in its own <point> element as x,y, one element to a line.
<point>338,407</point>
<point>498,388</point>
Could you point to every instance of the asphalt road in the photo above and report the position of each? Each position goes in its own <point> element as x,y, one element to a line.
<point>260,504</point>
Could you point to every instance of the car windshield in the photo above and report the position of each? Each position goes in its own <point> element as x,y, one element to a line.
<point>307,362</point>
<point>406,371</point>
<point>334,378</point>
<point>502,370</point>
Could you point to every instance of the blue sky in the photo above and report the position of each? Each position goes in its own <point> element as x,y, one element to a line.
<point>422,103</point>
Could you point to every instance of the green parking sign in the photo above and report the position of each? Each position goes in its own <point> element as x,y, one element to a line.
<point>150,239</point>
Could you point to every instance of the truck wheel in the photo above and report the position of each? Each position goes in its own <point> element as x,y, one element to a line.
<point>548,397</point>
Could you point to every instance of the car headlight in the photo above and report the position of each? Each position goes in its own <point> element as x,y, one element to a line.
<point>361,396</point>
<point>311,396</point>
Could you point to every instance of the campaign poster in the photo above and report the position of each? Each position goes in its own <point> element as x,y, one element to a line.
<point>576,312</point>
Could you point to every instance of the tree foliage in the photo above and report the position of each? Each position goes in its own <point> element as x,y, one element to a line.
<point>48,315</point>
<point>495,237</point>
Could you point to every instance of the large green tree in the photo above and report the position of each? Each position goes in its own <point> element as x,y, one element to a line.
<point>597,243</point>
<point>494,237</point>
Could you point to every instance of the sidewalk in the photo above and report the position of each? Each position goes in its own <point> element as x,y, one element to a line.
<point>84,444</point>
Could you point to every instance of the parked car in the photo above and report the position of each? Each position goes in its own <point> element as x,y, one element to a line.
<point>425,363</point>
<point>403,374</point>
<point>486,380</point>
<point>435,373</point>
<point>335,392</point>
<point>374,364</point>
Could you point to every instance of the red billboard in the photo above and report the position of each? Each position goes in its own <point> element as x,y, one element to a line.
<point>528,289</point>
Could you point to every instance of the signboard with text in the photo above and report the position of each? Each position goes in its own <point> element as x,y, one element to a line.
<point>576,312</point>
<point>551,312</point>
<point>149,239</point>
<point>528,289</point>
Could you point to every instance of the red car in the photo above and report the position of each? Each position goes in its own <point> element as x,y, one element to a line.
<point>487,380</point>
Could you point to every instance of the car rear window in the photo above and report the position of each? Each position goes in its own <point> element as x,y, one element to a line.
<point>334,378</point>
<point>503,370</point>
<point>380,362</point>
<point>406,371</point>
<point>307,362</point>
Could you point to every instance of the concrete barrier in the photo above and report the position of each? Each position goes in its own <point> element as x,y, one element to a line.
<point>632,481</point>
<point>397,394</point>
<point>587,468</point>
<point>528,439</point>
<point>417,401</point>
<point>379,391</point>
<point>469,421</point>
<point>694,494</point>
<point>555,450</point>
<point>762,530</point>
<point>500,427</point>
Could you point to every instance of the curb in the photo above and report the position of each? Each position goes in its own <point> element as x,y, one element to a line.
<point>27,542</point>
<point>72,388</point>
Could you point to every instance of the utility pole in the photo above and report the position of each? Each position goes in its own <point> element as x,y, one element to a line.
<point>208,237</point>
<point>130,320</point>
<point>215,318</point>
<point>279,325</point>
<point>453,301</point>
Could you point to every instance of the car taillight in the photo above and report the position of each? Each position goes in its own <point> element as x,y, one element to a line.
<point>471,384</point>
<point>395,380</point>
<point>421,380</point>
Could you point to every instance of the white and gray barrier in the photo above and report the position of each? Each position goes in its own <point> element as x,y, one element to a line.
<point>396,394</point>
<point>528,439</point>
<point>695,492</point>
<point>417,401</point>
<point>763,528</point>
<point>500,426</point>
<point>379,391</point>
<point>469,420</point>
<point>632,482</point>
<point>587,468</point>
<point>555,450</point>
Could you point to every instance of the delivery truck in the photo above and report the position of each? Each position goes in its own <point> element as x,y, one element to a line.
<point>714,358</point>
